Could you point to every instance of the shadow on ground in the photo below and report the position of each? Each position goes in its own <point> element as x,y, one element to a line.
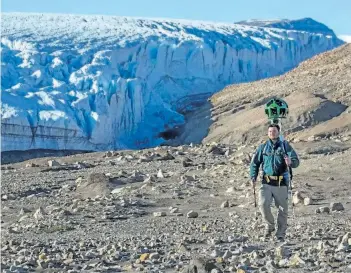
<point>19,156</point>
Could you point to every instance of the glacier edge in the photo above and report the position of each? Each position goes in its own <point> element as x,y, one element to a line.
<point>114,83</point>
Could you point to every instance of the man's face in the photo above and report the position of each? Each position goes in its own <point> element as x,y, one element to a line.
<point>273,133</point>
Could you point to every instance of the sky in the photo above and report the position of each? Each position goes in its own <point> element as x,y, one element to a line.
<point>335,14</point>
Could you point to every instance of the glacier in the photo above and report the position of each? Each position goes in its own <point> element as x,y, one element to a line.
<point>92,82</point>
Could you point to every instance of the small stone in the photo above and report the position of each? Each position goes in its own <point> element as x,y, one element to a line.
<point>283,262</point>
<point>31,165</point>
<point>307,201</point>
<point>160,174</point>
<point>39,213</point>
<point>144,158</point>
<point>200,264</point>
<point>237,238</point>
<point>336,207</point>
<point>186,178</point>
<point>228,153</point>
<point>154,256</point>
<point>108,154</point>
<point>144,257</point>
<point>219,260</point>
<point>344,244</point>
<point>137,176</point>
<point>24,210</point>
<point>311,138</point>
<point>323,210</point>
<point>67,261</point>
<point>174,210</point>
<point>321,245</point>
<point>23,218</point>
<point>21,259</point>
<point>227,255</point>
<point>53,163</point>
<point>231,189</point>
<point>270,265</point>
<point>192,214</point>
<point>297,198</point>
<point>120,158</point>
<point>216,253</point>
<point>214,149</point>
<point>42,257</point>
<point>79,180</point>
<point>225,204</point>
<point>296,261</point>
<point>42,264</point>
<point>117,190</point>
<point>187,162</point>
<point>167,156</point>
<point>240,270</point>
<point>14,230</point>
<point>160,214</point>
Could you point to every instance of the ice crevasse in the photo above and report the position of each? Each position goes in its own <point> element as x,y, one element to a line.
<point>81,82</point>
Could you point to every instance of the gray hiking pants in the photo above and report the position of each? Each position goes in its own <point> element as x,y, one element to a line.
<point>280,195</point>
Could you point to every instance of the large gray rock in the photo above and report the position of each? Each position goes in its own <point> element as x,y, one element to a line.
<point>192,214</point>
<point>201,265</point>
<point>97,184</point>
<point>336,207</point>
<point>53,163</point>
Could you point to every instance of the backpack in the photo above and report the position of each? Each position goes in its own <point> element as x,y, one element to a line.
<point>283,146</point>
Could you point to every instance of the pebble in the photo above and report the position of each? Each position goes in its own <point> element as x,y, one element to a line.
<point>307,201</point>
<point>192,214</point>
<point>336,207</point>
<point>154,256</point>
<point>31,165</point>
<point>39,213</point>
<point>160,214</point>
<point>227,254</point>
<point>230,190</point>
<point>160,174</point>
<point>225,204</point>
<point>297,198</point>
<point>174,210</point>
<point>53,163</point>
<point>323,210</point>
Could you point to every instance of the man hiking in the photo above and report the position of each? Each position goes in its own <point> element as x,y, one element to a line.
<point>276,157</point>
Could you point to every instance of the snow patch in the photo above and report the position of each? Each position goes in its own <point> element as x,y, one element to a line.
<point>345,38</point>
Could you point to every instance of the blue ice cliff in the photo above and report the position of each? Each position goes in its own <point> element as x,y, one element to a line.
<point>102,82</point>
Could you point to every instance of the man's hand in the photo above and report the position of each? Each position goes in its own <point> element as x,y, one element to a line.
<point>287,160</point>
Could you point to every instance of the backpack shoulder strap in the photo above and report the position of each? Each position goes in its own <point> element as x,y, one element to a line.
<point>284,147</point>
<point>264,147</point>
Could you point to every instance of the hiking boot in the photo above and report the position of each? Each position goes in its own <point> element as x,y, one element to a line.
<point>280,239</point>
<point>267,234</point>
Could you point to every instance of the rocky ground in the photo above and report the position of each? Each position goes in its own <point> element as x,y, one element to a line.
<point>173,209</point>
<point>191,208</point>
